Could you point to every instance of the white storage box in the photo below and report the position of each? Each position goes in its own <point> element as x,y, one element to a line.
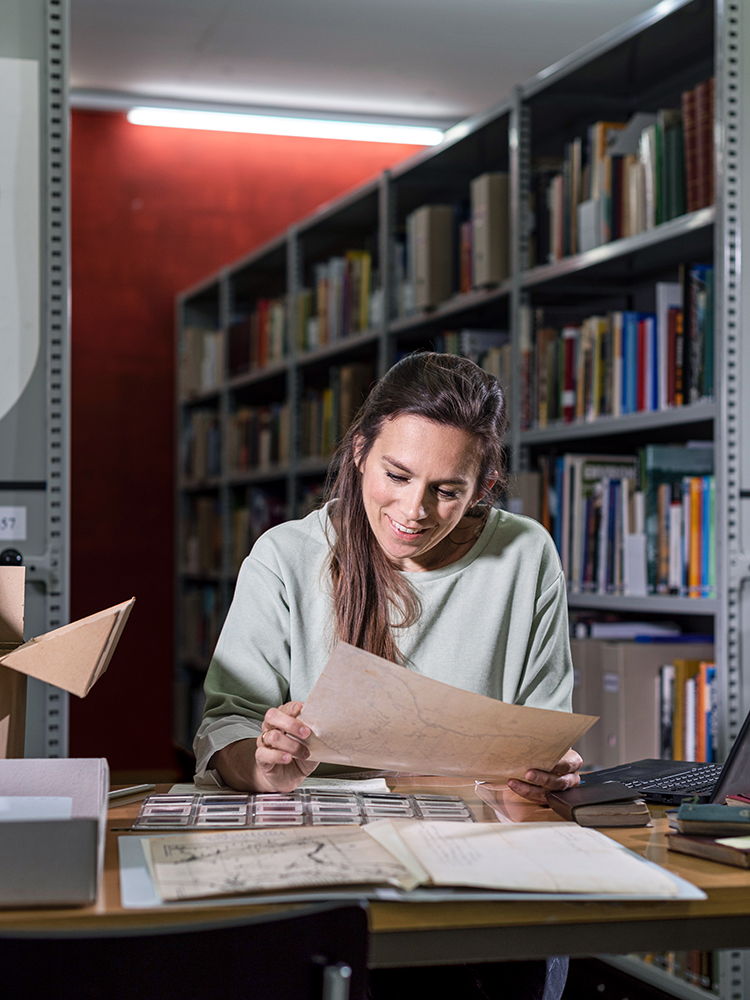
<point>52,861</point>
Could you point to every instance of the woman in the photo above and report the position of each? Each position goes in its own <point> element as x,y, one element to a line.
<point>407,560</point>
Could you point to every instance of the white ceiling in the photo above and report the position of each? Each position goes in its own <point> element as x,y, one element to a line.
<point>421,59</point>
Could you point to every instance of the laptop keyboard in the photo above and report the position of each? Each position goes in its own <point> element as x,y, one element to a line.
<point>696,780</point>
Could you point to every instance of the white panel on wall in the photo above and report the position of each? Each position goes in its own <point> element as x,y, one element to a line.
<point>19,226</point>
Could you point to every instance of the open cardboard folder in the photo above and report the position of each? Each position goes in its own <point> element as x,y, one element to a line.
<point>52,812</point>
<point>72,657</point>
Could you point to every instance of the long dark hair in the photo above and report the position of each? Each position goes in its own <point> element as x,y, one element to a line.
<point>370,597</point>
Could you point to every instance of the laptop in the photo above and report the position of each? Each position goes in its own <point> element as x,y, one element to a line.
<point>670,781</point>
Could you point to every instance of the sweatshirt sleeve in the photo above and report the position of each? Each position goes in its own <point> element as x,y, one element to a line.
<point>547,680</point>
<point>250,669</point>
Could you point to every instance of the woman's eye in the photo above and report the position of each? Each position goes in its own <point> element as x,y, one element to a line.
<point>394,478</point>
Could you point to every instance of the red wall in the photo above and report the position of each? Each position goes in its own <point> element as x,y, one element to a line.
<point>154,211</point>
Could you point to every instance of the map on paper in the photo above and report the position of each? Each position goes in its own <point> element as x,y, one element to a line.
<point>367,712</point>
<point>215,864</point>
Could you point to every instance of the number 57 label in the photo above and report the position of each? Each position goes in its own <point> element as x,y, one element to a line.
<point>12,524</point>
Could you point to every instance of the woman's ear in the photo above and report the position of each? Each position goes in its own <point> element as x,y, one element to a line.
<point>357,444</point>
<point>486,486</point>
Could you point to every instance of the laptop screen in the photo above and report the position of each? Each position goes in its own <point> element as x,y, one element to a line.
<point>736,774</point>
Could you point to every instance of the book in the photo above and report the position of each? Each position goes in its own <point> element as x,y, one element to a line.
<point>676,466</point>
<point>738,799</point>
<point>692,196</point>
<point>586,521</point>
<point>668,297</point>
<point>604,805</point>
<point>431,254</point>
<point>722,850</point>
<point>490,229</point>
<point>713,820</point>
<point>704,120</point>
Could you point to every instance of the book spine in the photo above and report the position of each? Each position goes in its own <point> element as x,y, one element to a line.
<point>696,525</point>
<point>616,320</point>
<point>570,337</point>
<point>706,512</point>
<point>689,140</point>
<point>666,710</point>
<point>703,144</point>
<point>689,719</point>
<point>679,357</point>
<point>640,401</point>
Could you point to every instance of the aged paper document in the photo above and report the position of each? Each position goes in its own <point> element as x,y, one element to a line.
<point>533,857</point>
<point>367,712</point>
<point>526,857</point>
<point>216,864</point>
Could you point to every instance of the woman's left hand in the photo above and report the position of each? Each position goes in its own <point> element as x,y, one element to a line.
<point>563,775</point>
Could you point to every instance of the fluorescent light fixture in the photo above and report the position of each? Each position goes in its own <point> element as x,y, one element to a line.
<point>311,128</point>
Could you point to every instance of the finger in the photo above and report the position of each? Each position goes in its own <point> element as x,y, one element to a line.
<point>551,782</point>
<point>276,741</point>
<point>570,761</point>
<point>532,792</point>
<point>283,719</point>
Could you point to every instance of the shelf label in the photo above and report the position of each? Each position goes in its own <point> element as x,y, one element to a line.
<point>610,683</point>
<point>13,524</point>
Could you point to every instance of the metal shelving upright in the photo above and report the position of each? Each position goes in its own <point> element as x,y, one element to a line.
<point>34,427</point>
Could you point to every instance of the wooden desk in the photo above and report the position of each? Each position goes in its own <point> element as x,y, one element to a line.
<point>445,933</point>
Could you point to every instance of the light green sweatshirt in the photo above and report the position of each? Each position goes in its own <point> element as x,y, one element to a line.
<point>495,623</point>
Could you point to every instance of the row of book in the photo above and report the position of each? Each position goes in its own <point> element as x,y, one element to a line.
<point>202,619</point>
<point>640,714</point>
<point>699,968</point>
<point>490,349</point>
<point>258,437</point>
<point>200,445</point>
<point>452,248</point>
<point>259,511</point>
<point>622,362</point>
<point>634,524</point>
<point>258,340</point>
<point>688,713</point>
<point>202,543</point>
<point>202,536</point>
<point>201,361</point>
<point>344,300</point>
<point>325,413</point>
<point>624,177</point>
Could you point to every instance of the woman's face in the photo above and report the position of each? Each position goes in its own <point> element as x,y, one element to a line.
<point>418,481</point>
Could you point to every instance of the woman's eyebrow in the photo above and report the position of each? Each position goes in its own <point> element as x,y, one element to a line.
<point>458,481</point>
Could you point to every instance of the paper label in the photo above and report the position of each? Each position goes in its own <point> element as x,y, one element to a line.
<point>13,524</point>
<point>24,807</point>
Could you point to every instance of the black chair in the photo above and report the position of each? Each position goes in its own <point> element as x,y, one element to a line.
<point>318,952</point>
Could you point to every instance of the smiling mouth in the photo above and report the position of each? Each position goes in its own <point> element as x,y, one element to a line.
<point>403,530</point>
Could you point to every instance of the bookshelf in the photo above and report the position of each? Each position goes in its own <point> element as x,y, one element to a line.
<point>347,292</point>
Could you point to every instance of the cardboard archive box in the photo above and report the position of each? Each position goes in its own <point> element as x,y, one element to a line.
<point>587,698</point>
<point>490,228</point>
<point>52,861</point>
<point>433,255</point>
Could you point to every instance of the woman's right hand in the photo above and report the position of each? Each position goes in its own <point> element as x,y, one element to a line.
<point>276,762</point>
<point>281,759</point>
